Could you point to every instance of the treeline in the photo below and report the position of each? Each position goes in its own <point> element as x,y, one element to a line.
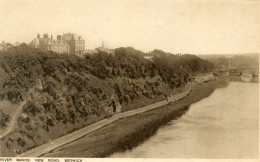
<point>175,70</point>
<point>245,61</point>
<point>21,67</point>
<point>62,90</point>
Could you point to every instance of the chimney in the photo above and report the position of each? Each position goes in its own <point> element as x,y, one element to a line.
<point>59,37</point>
<point>38,36</point>
<point>51,37</point>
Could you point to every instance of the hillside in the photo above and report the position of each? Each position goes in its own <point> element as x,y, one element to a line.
<point>245,61</point>
<point>240,61</point>
<point>60,93</point>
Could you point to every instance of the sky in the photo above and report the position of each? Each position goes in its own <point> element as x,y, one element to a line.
<point>187,26</point>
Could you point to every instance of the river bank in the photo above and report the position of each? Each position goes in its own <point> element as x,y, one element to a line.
<point>130,131</point>
<point>224,125</point>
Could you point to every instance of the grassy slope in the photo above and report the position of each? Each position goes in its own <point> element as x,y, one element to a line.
<point>129,132</point>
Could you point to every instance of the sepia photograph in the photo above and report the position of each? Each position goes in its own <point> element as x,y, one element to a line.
<point>123,79</point>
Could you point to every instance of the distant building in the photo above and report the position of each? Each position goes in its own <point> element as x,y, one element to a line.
<point>89,51</point>
<point>104,48</point>
<point>204,77</point>
<point>69,43</point>
<point>75,42</point>
<point>48,43</point>
<point>221,65</point>
<point>103,45</point>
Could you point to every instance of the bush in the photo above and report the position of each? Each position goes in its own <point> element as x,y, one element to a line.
<point>4,119</point>
<point>21,142</point>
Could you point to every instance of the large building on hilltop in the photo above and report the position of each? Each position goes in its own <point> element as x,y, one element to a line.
<point>69,43</point>
<point>48,43</point>
<point>76,43</point>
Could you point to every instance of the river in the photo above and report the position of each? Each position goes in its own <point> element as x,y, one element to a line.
<point>223,125</point>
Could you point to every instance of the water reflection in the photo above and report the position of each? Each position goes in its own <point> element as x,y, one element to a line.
<point>224,125</point>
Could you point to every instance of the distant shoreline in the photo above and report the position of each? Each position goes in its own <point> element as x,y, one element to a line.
<point>128,132</point>
<point>238,78</point>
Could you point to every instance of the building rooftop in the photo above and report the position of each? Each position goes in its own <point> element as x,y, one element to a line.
<point>71,36</point>
<point>38,41</point>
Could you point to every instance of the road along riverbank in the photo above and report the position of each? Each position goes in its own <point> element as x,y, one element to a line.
<point>128,132</point>
<point>45,148</point>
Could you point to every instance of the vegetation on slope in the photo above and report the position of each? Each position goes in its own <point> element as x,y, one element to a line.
<point>66,92</point>
<point>123,135</point>
<point>4,118</point>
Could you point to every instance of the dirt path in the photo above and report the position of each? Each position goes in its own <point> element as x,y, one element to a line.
<point>11,125</point>
<point>45,148</point>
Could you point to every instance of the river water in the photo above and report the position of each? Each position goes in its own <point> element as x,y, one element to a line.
<point>224,125</point>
